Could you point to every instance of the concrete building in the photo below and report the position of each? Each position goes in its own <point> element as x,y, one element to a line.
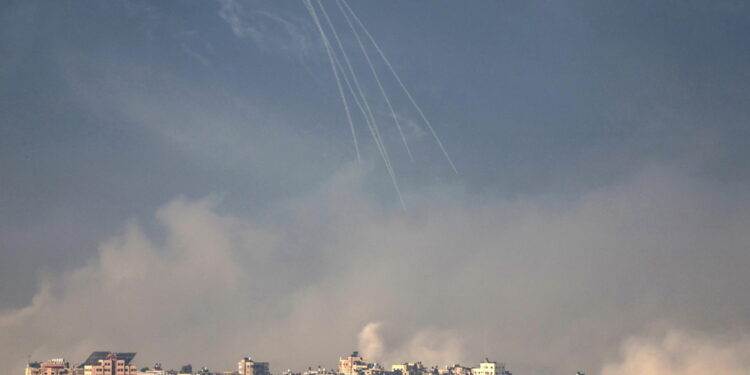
<point>56,366</point>
<point>374,369</point>
<point>153,372</point>
<point>353,365</point>
<point>246,366</point>
<point>314,371</point>
<point>488,367</point>
<point>455,369</point>
<point>108,363</point>
<point>409,368</point>
<point>156,370</point>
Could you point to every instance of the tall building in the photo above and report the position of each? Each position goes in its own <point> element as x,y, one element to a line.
<point>247,366</point>
<point>56,366</point>
<point>107,363</point>
<point>352,365</point>
<point>488,367</point>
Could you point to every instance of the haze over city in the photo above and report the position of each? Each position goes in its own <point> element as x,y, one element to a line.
<point>558,186</point>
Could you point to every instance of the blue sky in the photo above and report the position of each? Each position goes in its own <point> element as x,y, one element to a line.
<point>111,110</point>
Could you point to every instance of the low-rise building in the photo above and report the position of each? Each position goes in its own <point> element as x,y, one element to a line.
<point>409,368</point>
<point>455,369</point>
<point>57,366</point>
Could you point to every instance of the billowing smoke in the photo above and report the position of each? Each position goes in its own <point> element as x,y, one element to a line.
<point>370,342</point>
<point>427,345</point>
<point>547,287</point>
<point>679,353</point>
<point>432,348</point>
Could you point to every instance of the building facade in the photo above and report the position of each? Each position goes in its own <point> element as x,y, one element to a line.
<point>488,367</point>
<point>106,363</point>
<point>353,365</point>
<point>246,366</point>
<point>56,366</point>
<point>409,368</point>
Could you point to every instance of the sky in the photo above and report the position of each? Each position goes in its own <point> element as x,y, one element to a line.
<point>179,179</point>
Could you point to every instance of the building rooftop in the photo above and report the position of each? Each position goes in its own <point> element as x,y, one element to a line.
<point>94,358</point>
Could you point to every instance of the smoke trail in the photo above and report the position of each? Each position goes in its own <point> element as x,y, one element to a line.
<point>398,79</point>
<point>378,141</point>
<point>369,120</point>
<point>336,75</point>
<point>369,117</point>
<point>377,80</point>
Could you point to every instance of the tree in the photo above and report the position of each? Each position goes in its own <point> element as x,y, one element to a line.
<point>187,369</point>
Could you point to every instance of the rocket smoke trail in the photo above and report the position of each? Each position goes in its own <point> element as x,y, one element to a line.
<point>401,83</point>
<point>369,120</point>
<point>362,104</point>
<point>369,116</point>
<point>377,80</point>
<point>336,75</point>
<point>371,123</point>
<point>375,129</point>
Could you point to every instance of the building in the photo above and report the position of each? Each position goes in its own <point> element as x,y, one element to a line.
<point>455,369</point>
<point>156,370</point>
<point>108,363</point>
<point>375,369</point>
<point>353,365</point>
<point>459,370</point>
<point>488,367</point>
<point>246,366</point>
<point>56,366</point>
<point>409,368</point>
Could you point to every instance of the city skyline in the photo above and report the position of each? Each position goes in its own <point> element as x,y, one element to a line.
<point>560,185</point>
<point>122,363</point>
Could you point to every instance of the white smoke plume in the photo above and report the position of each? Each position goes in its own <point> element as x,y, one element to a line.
<point>680,353</point>
<point>427,345</point>
<point>433,348</point>
<point>370,343</point>
<point>547,288</point>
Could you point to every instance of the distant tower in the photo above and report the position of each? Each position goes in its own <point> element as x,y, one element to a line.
<point>246,366</point>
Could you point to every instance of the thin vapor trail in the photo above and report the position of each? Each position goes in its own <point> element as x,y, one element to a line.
<point>377,80</point>
<point>354,94</point>
<point>378,138</point>
<point>336,75</point>
<point>369,116</point>
<point>372,125</point>
<point>375,135</point>
<point>398,79</point>
<point>351,71</point>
